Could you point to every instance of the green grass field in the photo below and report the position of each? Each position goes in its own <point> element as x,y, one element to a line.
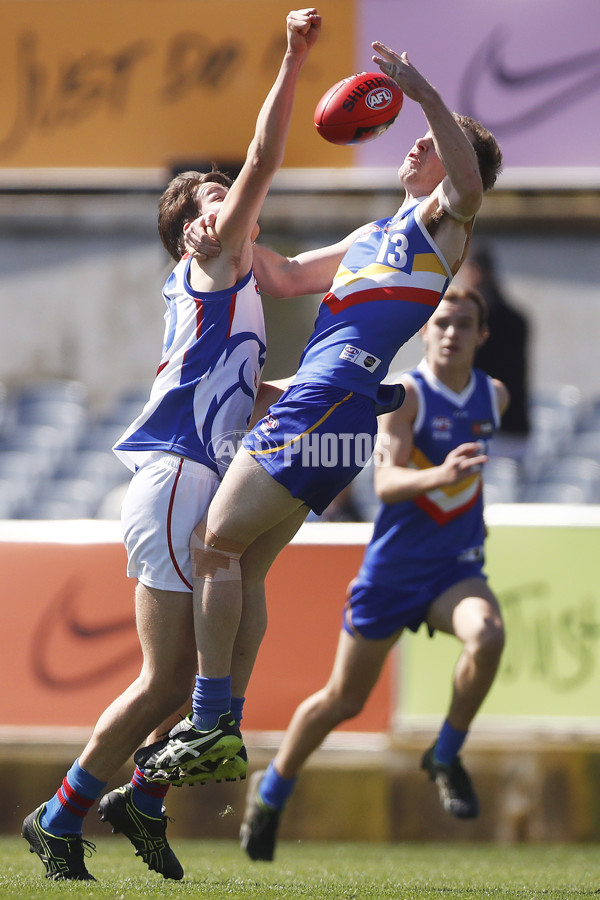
<point>220,871</point>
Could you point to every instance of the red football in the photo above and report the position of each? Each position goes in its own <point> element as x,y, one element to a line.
<point>358,109</point>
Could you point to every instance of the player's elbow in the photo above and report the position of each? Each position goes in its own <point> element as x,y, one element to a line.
<point>385,489</point>
<point>472,189</point>
<point>272,285</point>
<point>470,197</point>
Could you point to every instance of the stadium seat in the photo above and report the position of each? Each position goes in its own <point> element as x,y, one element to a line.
<point>27,466</point>
<point>76,497</point>
<point>52,389</point>
<point>586,443</point>
<point>100,466</point>
<point>110,507</point>
<point>363,493</point>
<point>4,408</point>
<point>56,510</point>
<point>14,496</point>
<point>555,414</point>
<point>51,443</point>
<point>554,492</point>
<point>501,480</point>
<point>581,473</point>
<point>125,409</point>
<point>101,436</point>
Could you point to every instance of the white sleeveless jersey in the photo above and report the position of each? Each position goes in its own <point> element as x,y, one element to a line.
<point>202,398</point>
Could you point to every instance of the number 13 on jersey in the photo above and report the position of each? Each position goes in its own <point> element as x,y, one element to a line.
<point>393,250</point>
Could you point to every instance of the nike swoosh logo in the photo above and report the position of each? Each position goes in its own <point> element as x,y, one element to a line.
<point>533,94</point>
<point>69,652</point>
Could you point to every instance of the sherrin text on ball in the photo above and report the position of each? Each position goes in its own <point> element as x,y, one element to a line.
<point>358,109</point>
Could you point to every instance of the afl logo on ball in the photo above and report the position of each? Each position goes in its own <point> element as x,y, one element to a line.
<point>379,98</point>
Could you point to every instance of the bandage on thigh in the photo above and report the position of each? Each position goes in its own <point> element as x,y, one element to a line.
<point>214,558</point>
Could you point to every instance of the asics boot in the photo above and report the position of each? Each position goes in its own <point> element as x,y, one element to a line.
<point>62,856</point>
<point>226,770</point>
<point>258,832</point>
<point>455,788</point>
<point>148,835</point>
<point>185,748</point>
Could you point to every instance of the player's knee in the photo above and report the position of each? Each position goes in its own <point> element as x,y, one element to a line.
<point>174,697</point>
<point>346,706</point>
<point>489,642</point>
<point>160,699</point>
<point>214,558</point>
<point>167,689</point>
<point>350,707</point>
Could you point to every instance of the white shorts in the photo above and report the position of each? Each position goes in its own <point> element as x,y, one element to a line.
<point>166,499</point>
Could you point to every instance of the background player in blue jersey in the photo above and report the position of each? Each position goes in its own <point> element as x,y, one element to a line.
<point>382,283</point>
<point>423,565</point>
<point>206,384</point>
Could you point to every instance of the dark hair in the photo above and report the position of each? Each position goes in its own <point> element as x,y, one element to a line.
<point>179,205</point>
<point>487,150</point>
<point>455,292</point>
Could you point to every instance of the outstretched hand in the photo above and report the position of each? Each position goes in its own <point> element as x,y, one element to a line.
<point>399,67</point>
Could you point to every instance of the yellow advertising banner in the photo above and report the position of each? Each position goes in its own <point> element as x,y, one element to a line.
<point>156,83</point>
<point>545,578</point>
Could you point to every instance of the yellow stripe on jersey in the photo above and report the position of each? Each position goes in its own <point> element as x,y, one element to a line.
<point>345,276</point>
<point>303,433</point>
<point>448,496</point>
<point>428,262</point>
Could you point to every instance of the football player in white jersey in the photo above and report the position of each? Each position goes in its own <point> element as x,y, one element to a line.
<point>212,355</point>
<point>423,565</point>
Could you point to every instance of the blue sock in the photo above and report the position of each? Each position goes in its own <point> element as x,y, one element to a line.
<point>237,709</point>
<point>211,698</point>
<point>65,812</point>
<point>148,796</point>
<point>448,744</point>
<point>274,790</point>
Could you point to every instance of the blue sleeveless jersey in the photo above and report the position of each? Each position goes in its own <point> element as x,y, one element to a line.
<point>446,523</point>
<point>387,286</point>
<point>213,353</point>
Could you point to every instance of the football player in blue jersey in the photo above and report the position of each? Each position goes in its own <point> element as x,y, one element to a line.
<point>423,566</point>
<point>381,284</point>
<point>206,383</point>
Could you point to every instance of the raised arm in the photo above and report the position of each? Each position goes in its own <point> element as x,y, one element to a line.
<point>241,208</point>
<point>462,186</point>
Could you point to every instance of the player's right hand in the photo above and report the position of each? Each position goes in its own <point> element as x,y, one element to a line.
<point>199,242</point>
<point>464,460</point>
<point>303,29</point>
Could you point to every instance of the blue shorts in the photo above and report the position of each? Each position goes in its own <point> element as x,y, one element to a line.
<point>377,611</point>
<point>315,440</point>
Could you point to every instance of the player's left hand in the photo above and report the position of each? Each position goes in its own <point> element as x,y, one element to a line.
<point>399,67</point>
<point>198,241</point>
